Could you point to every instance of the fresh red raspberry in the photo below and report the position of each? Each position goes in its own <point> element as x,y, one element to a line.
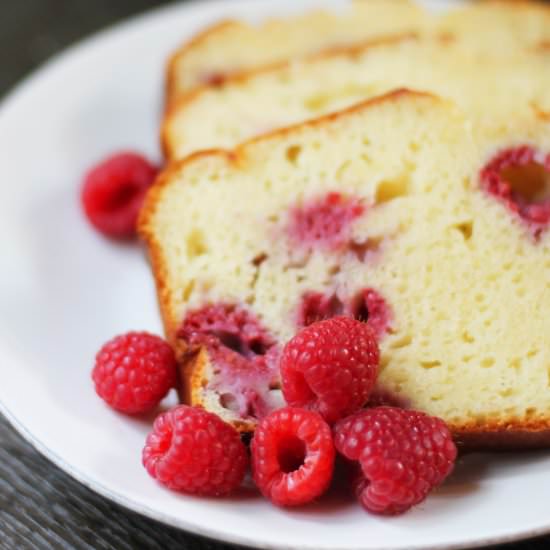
<point>195,451</point>
<point>113,192</point>
<point>134,371</point>
<point>292,456</point>
<point>403,454</point>
<point>330,367</point>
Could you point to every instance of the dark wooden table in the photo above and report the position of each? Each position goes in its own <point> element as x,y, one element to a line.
<point>40,506</point>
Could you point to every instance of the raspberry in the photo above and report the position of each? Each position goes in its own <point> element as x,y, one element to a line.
<point>292,456</point>
<point>113,192</point>
<point>403,454</point>
<point>325,221</point>
<point>518,177</point>
<point>330,367</point>
<point>195,451</point>
<point>134,371</point>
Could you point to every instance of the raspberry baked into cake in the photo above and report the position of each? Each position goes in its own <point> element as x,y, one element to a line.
<point>398,212</point>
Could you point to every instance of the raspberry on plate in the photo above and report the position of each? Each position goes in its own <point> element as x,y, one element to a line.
<point>403,454</point>
<point>292,456</point>
<point>134,372</point>
<point>330,367</point>
<point>196,452</point>
<point>113,192</point>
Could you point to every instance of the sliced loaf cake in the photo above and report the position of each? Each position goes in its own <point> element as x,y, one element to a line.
<point>495,91</point>
<point>233,46</point>
<point>396,211</point>
<point>498,27</point>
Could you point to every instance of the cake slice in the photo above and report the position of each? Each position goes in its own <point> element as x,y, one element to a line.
<point>498,27</point>
<point>494,90</point>
<point>232,46</point>
<point>396,211</point>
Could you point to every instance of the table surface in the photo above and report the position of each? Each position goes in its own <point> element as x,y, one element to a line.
<point>41,506</point>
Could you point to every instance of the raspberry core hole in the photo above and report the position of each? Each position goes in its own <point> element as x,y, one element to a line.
<point>291,455</point>
<point>520,178</point>
<point>258,347</point>
<point>231,341</point>
<point>360,310</point>
<point>531,181</point>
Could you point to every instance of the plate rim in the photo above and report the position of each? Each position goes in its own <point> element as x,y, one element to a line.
<point>221,536</point>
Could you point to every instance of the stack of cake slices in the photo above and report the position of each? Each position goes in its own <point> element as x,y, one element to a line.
<point>381,162</point>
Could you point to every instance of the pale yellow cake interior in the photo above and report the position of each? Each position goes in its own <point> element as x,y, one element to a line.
<point>468,284</point>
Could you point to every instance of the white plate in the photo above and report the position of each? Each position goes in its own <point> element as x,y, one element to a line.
<point>64,291</point>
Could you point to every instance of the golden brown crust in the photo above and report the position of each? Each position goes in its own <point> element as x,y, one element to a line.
<point>158,262</point>
<point>244,76</point>
<point>504,435</point>
<point>192,376</point>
